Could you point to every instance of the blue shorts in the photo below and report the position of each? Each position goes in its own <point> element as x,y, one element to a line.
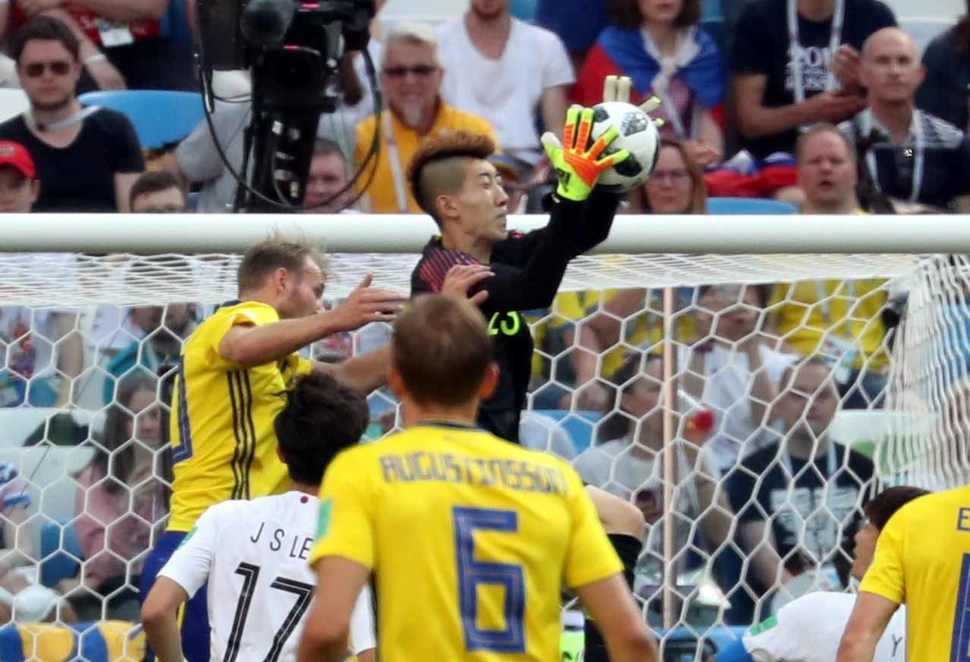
<point>195,616</point>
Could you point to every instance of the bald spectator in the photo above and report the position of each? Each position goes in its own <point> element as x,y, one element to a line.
<point>911,155</point>
<point>793,68</point>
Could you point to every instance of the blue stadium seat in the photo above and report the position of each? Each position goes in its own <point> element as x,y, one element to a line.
<point>579,425</point>
<point>101,641</point>
<point>758,206</point>
<point>58,560</point>
<point>159,116</point>
<point>524,10</point>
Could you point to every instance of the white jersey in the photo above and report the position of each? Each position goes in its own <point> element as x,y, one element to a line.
<point>252,555</point>
<point>810,628</point>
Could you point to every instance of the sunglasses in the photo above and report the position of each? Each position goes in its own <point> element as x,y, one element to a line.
<point>419,71</point>
<point>36,69</point>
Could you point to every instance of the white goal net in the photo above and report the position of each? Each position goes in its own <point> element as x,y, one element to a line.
<point>828,377</point>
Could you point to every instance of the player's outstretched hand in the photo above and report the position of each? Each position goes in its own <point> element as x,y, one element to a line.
<point>577,159</point>
<point>462,277</point>
<point>366,304</point>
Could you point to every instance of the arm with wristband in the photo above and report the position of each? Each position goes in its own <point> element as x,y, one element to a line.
<point>576,155</point>
<point>581,215</point>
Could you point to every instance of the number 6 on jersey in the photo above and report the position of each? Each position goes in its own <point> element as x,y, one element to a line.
<point>474,575</point>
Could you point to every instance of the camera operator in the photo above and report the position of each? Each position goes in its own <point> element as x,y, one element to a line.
<point>197,159</point>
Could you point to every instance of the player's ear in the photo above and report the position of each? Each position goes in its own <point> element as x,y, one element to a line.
<point>445,206</point>
<point>280,278</point>
<point>490,382</point>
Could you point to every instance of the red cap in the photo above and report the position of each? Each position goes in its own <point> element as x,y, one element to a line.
<point>16,156</point>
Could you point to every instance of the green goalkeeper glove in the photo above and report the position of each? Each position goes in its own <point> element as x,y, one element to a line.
<point>578,163</point>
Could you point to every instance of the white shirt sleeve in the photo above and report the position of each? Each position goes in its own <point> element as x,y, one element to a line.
<point>557,69</point>
<point>778,637</point>
<point>190,563</point>
<point>362,635</point>
<point>197,155</point>
<point>804,630</point>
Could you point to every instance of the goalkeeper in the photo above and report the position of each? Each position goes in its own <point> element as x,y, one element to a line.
<point>508,272</point>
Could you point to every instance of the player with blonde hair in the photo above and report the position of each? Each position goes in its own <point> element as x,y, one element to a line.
<point>470,539</point>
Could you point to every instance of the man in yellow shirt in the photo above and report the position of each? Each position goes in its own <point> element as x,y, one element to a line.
<point>470,539</point>
<point>410,78</point>
<point>837,319</point>
<point>232,374</point>
<point>923,560</point>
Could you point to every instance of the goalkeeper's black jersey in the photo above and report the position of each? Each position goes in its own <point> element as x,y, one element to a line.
<point>528,271</point>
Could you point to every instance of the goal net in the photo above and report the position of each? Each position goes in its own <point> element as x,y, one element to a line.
<point>827,377</point>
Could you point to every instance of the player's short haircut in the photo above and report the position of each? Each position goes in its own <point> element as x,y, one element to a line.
<point>823,127</point>
<point>885,504</point>
<point>277,252</point>
<point>438,166</point>
<point>154,181</point>
<point>321,417</point>
<point>44,28</point>
<point>411,32</point>
<point>441,349</point>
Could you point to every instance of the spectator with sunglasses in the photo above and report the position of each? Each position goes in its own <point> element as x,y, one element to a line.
<point>410,79</point>
<point>87,157</point>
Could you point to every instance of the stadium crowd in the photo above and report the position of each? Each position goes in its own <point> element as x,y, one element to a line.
<point>824,105</point>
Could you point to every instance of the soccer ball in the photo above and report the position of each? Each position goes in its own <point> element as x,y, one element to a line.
<point>638,135</point>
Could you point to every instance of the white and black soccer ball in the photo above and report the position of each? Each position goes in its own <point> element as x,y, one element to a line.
<point>637,134</point>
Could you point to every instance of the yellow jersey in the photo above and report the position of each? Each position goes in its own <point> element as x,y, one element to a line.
<point>399,143</point>
<point>832,317</point>
<point>223,440</point>
<point>643,330</point>
<point>922,559</point>
<point>470,540</point>
<point>104,641</point>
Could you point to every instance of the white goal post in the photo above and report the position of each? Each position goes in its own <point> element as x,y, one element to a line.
<point>832,281</point>
<point>365,233</point>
